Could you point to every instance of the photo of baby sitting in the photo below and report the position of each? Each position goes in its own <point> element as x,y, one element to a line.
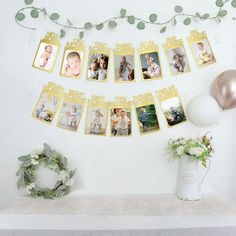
<point>72,64</point>
<point>178,61</point>
<point>203,53</point>
<point>120,122</point>
<point>46,108</point>
<point>98,67</point>
<point>173,111</point>
<point>70,115</point>
<point>96,121</point>
<point>45,56</point>
<point>124,68</point>
<point>150,66</point>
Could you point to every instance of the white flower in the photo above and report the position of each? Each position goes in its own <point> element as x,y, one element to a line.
<point>196,151</point>
<point>29,188</point>
<point>62,175</point>
<point>180,150</point>
<point>35,154</point>
<point>70,182</point>
<point>34,162</point>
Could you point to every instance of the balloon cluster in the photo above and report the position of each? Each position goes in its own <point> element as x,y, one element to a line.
<point>204,110</point>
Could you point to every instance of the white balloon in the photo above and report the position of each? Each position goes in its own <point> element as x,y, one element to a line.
<point>203,111</point>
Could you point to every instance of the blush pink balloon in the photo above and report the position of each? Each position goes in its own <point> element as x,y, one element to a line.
<point>224,89</point>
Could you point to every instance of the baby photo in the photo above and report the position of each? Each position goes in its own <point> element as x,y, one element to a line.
<point>96,121</point>
<point>202,53</point>
<point>120,122</point>
<point>150,64</point>
<point>124,68</point>
<point>45,56</point>
<point>46,107</point>
<point>147,119</point>
<point>178,61</point>
<point>173,111</point>
<point>72,63</point>
<point>70,116</point>
<point>98,67</point>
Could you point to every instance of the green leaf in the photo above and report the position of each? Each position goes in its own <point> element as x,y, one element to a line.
<point>219,3</point>
<point>20,16</point>
<point>178,9</point>
<point>222,13</point>
<point>20,182</point>
<point>141,25</point>
<point>174,22</point>
<point>153,18</point>
<point>123,12</point>
<point>205,16</point>
<point>112,24</point>
<point>187,21</point>
<point>71,173</point>
<point>34,13</point>
<point>24,158</point>
<point>54,16</point>
<point>233,3</point>
<point>88,25</point>
<point>131,20</point>
<point>100,26</point>
<point>81,34</point>
<point>163,29</point>
<point>69,22</point>
<point>28,2</point>
<point>198,15</point>
<point>62,33</point>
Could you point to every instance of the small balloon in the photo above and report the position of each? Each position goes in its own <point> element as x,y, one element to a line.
<point>203,111</point>
<point>224,89</point>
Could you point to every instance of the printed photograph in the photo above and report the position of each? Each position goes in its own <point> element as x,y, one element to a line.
<point>46,107</point>
<point>150,64</point>
<point>124,68</point>
<point>173,111</point>
<point>45,56</point>
<point>147,118</point>
<point>178,61</point>
<point>120,122</point>
<point>202,53</point>
<point>72,63</point>
<point>96,121</point>
<point>70,115</point>
<point>98,67</point>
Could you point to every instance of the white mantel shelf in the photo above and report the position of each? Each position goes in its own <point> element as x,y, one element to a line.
<point>120,212</point>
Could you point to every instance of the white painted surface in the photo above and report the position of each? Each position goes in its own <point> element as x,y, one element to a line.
<point>108,165</point>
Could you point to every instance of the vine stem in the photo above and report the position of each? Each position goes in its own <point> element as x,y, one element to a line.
<point>68,26</point>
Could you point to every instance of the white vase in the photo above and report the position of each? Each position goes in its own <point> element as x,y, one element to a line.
<point>188,186</point>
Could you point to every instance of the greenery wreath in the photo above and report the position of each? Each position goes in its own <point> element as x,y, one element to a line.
<point>52,160</point>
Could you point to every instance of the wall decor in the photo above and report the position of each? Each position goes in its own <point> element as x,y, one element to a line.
<point>98,63</point>
<point>150,63</point>
<point>171,106</point>
<point>180,16</point>
<point>47,52</point>
<point>146,113</point>
<point>48,102</point>
<point>71,110</point>
<point>120,117</point>
<point>97,116</point>
<point>201,48</point>
<point>73,59</point>
<point>124,63</point>
<point>48,158</point>
<point>176,56</point>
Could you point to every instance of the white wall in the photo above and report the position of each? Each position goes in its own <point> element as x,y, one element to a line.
<point>109,165</point>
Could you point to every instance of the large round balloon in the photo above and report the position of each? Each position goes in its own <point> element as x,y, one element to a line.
<point>224,89</point>
<point>203,110</point>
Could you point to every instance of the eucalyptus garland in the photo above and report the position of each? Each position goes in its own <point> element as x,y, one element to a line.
<point>65,23</point>
<point>52,160</point>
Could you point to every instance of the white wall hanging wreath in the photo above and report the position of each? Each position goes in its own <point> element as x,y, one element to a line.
<point>52,160</point>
